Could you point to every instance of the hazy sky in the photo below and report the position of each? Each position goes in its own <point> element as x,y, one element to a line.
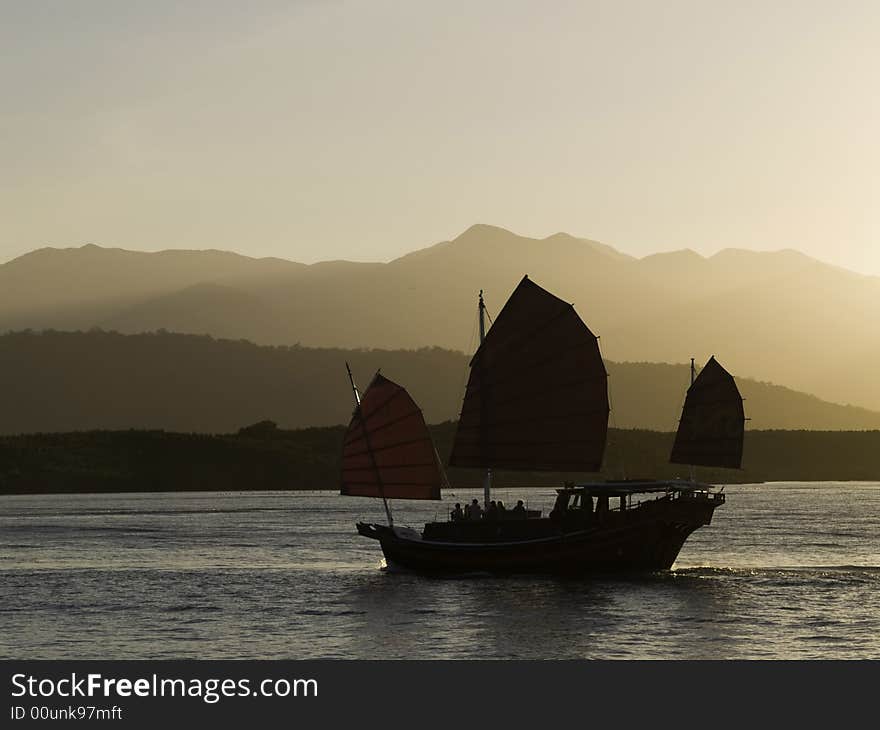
<point>362,130</point>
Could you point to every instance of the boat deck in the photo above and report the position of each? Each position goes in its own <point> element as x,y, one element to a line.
<point>564,520</point>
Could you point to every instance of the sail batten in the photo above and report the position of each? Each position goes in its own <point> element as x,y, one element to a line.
<point>537,394</point>
<point>711,429</point>
<point>387,450</point>
<point>540,394</point>
<point>522,341</point>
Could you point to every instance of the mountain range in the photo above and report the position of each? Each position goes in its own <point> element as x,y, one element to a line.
<point>773,316</point>
<point>77,381</point>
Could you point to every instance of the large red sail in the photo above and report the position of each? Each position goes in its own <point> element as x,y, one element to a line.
<point>710,432</point>
<point>387,451</point>
<point>537,396</point>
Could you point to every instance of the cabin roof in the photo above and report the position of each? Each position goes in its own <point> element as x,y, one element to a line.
<point>636,486</point>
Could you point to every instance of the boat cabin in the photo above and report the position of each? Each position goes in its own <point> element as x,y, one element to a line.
<point>598,498</point>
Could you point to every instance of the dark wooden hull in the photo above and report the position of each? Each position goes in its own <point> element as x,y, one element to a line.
<point>644,539</point>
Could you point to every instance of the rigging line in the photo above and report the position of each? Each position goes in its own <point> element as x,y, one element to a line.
<point>465,372</point>
<point>387,424</point>
<point>613,416</point>
<point>359,414</point>
<point>462,384</point>
<point>514,343</point>
<point>677,421</point>
<point>552,360</point>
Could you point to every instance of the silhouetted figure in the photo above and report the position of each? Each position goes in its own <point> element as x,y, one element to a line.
<point>501,508</point>
<point>560,508</point>
<point>492,511</point>
<point>520,510</point>
<point>474,511</point>
<point>457,513</point>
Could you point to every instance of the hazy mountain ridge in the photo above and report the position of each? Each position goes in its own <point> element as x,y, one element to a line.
<point>73,381</point>
<point>778,316</point>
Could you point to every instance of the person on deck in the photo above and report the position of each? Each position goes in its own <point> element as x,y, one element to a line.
<point>492,512</point>
<point>474,511</point>
<point>457,513</point>
<point>520,509</point>
<point>501,508</point>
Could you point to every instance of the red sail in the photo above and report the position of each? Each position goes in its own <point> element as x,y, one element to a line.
<point>710,432</point>
<point>537,396</point>
<point>387,450</point>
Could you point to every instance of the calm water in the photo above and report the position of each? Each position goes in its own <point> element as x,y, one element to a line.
<point>785,570</point>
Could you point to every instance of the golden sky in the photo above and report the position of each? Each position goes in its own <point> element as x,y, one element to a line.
<point>362,130</point>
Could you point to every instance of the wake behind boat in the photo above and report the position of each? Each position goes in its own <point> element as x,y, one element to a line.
<point>537,400</point>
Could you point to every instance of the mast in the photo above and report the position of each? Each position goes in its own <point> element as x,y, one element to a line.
<point>354,389</point>
<point>693,378</point>
<point>487,483</point>
<point>357,410</point>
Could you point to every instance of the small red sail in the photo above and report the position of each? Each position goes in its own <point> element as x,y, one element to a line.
<point>710,432</point>
<point>387,451</point>
<point>537,396</point>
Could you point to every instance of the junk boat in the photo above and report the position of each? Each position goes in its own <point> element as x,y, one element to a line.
<point>537,400</point>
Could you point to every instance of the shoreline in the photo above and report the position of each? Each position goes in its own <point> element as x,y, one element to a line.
<point>265,458</point>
